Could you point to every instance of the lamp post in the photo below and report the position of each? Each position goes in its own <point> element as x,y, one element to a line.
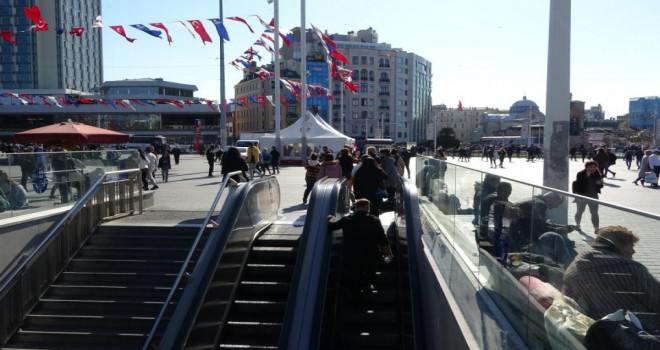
<point>222,130</point>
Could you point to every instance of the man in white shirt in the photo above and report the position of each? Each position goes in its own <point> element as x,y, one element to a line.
<point>654,163</point>
<point>152,163</point>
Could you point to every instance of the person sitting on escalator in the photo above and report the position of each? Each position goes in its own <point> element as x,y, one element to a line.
<point>365,244</point>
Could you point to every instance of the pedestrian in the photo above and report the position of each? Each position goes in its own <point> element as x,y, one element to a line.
<point>330,168</point>
<point>588,183</point>
<point>388,165</point>
<point>312,169</point>
<point>603,160</point>
<point>143,165</point>
<point>346,162</point>
<point>231,162</point>
<point>265,162</point>
<point>573,153</point>
<point>406,155</point>
<point>210,158</point>
<point>401,165</point>
<point>275,159</point>
<point>368,182</point>
<point>502,153</point>
<point>165,164</point>
<point>628,156</point>
<point>152,162</point>
<point>253,159</point>
<point>605,279</point>
<point>644,167</point>
<point>654,163</point>
<point>364,246</point>
<point>176,152</point>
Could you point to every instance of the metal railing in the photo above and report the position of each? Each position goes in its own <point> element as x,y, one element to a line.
<point>186,263</point>
<point>112,194</point>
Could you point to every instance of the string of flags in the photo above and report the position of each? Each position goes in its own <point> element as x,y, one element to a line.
<point>116,103</point>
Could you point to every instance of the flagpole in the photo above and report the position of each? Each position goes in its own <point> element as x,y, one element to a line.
<point>222,130</point>
<point>278,113</point>
<point>303,80</point>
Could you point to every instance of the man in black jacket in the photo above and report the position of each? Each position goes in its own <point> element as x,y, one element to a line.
<point>364,245</point>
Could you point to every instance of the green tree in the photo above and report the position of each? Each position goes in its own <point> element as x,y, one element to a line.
<point>447,138</point>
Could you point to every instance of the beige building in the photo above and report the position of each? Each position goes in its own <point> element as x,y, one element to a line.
<point>464,123</point>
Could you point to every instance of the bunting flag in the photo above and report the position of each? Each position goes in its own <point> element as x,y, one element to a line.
<point>8,36</point>
<point>110,102</point>
<point>263,23</point>
<point>262,100</point>
<point>283,101</point>
<point>128,104</point>
<point>34,14</point>
<point>137,102</point>
<point>77,31</point>
<point>222,31</point>
<point>45,101</point>
<point>243,102</point>
<point>98,22</point>
<point>186,27</point>
<point>167,32</point>
<point>199,28</point>
<point>239,19</point>
<point>270,99</point>
<point>460,106</point>
<point>54,101</point>
<point>210,104</point>
<point>154,33</point>
<point>339,57</point>
<point>120,30</point>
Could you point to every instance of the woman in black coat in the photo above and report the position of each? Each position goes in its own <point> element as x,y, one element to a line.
<point>232,161</point>
<point>588,183</point>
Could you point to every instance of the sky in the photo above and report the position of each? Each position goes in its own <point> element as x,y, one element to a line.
<point>484,53</point>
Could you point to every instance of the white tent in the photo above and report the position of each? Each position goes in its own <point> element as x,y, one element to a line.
<point>319,133</point>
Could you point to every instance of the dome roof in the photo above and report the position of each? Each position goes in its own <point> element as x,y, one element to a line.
<point>523,105</point>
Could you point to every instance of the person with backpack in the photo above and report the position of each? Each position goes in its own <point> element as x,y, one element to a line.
<point>264,165</point>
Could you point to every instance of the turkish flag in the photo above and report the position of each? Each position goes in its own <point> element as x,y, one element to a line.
<point>120,30</point>
<point>8,36</point>
<point>199,28</point>
<point>77,31</point>
<point>34,14</point>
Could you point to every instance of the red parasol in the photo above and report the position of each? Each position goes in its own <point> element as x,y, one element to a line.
<point>74,132</point>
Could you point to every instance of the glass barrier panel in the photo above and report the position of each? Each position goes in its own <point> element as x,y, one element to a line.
<point>37,181</point>
<point>526,245</point>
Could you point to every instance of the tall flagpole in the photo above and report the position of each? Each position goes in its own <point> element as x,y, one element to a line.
<point>303,80</point>
<point>222,130</point>
<point>276,78</point>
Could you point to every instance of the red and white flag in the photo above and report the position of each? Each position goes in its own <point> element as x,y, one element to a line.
<point>77,31</point>
<point>8,35</point>
<point>120,30</point>
<point>167,32</point>
<point>199,28</point>
<point>460,106</point>
<point>34,14</point>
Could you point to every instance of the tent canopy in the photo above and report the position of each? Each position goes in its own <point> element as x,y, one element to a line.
<point>319,133</point>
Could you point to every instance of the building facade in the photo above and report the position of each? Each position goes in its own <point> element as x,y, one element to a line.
<point>51,59</point>
<point>464,123</point>
<point>394,99</point>
<point>643,112</point>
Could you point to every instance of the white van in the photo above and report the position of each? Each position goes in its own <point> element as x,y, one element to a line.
<point>246,143</point>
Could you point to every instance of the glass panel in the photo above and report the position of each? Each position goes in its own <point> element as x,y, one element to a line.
<point>520,244</point>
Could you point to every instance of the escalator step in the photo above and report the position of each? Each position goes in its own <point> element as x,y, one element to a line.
<point>63,323</point>
<point>255,329</point>
<point>269,290</point>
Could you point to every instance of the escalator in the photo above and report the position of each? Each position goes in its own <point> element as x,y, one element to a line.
<point>387,316</point>
<point>382,319</point>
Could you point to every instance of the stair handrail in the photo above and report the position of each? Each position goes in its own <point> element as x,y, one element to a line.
<point>51,235</point>
<point>301,326</point>
<point>184,267</point>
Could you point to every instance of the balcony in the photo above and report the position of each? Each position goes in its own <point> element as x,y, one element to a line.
<point>384,93</point>
<point>384,80</point>
<point>384,107</point>
<point>384,66</point>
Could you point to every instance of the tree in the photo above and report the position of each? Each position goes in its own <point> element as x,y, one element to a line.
<point>447,138</point>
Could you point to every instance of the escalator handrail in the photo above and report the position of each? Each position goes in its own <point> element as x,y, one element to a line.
<point>409,196</point>
<point>302,322</point>
<point>57,227</point>
<point>186,262</point>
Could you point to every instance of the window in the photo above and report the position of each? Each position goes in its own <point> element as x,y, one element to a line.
<point>371,75</point>
<point>355,115</point>
<point>356,102</point>
<point>363,102</point>
<point>364,114</point>
<point>356,60</point>
<point>363,60</point>
<point>371,61</point>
